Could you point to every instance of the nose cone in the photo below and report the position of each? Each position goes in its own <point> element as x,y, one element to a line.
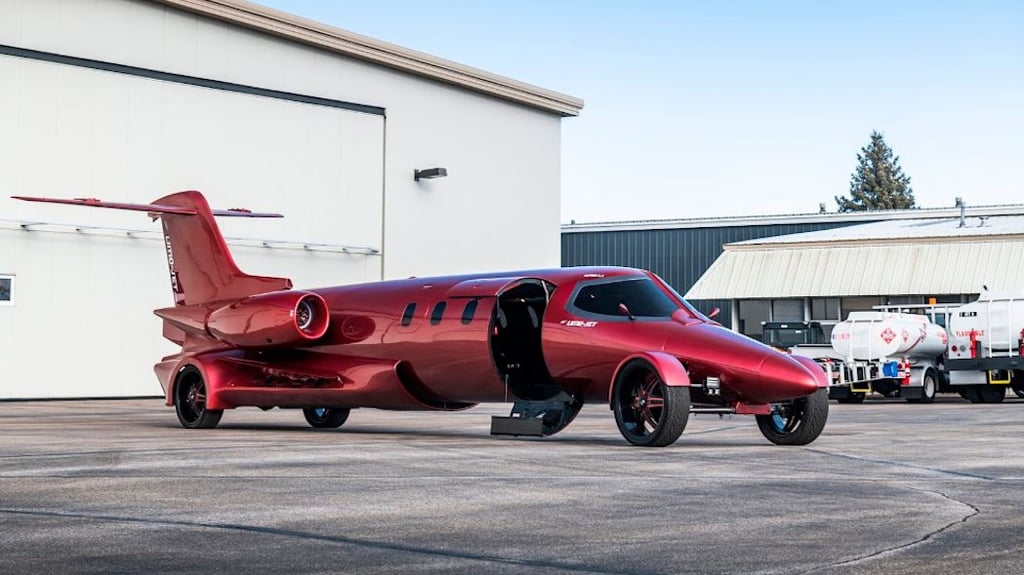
<point>783,377</point>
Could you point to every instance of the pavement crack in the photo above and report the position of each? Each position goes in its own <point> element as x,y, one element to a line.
<point>896,549</point>
<point>961,474</point>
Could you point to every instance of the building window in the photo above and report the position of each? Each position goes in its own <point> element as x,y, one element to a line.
<point>407,314</point>
<point>860,303</point>
<point>6,290</point>
<point>788,310</point>
<point>469,310</point>
<point>824,308</point>
<point>438,313</point>
<point>753,312</point>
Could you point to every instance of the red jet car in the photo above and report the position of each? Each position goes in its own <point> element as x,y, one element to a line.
<point>547,340</point>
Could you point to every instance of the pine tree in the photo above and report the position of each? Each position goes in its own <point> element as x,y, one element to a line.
<point>878,182</point>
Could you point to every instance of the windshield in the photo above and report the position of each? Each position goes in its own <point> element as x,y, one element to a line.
<point>640,294</point>
<point>686,305</point>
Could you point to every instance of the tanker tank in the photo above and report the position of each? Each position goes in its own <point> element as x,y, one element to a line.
<point>877,335</point>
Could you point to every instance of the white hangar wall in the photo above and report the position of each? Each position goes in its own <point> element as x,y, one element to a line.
<point>120,119</point>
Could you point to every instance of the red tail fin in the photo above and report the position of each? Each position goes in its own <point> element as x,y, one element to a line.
<point>200,264</point>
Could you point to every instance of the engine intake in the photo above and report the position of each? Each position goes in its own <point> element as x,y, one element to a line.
<point>275,319</point>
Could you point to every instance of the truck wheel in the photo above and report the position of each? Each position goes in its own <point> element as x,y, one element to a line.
<point>796,422</point>
<point>991,393</point>
<point>1018,392</point>
<point>970,393</point>
<point>927,390</point>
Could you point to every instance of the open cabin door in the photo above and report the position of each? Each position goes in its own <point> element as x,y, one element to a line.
<point>514,334</point>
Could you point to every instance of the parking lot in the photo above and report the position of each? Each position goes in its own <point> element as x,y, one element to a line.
<point>117,486</point>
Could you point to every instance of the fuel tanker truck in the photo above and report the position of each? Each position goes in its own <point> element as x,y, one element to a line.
<point>986,344</point>
<point>891,353</point>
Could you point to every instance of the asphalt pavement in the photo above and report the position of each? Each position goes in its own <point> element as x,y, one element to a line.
<point>116,486</point>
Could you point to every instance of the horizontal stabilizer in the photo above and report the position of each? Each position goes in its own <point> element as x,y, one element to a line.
<point>150,208</point>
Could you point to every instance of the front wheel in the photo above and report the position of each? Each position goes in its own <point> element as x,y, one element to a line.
<point>649,412</point>
<point>796,422</point>
<point>927,390</point>
<point>326,417</point>
<point>190,401</point>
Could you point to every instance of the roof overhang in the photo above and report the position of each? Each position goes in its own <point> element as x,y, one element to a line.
<point>940,266</point>
<point>346,43</point>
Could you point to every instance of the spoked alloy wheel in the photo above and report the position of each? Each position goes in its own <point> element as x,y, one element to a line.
<point>649,412</point>
<point>796,422</point>
<point>190,401</point>
<point>325,417</point>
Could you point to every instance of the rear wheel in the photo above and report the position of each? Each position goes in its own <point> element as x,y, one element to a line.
<point>649,412</point>
<point>796,422</point>
<point>190,401</point>
<point>326,417</point>
<point>991,393</point>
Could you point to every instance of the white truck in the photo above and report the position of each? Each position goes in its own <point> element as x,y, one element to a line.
<point>986,345</point>
<point>892,353</point>
<point>911,355</point>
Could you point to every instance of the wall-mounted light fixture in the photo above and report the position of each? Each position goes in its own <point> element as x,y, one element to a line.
<point>429,173</point>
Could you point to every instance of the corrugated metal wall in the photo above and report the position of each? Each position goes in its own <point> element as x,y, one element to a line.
<point>680,256</point>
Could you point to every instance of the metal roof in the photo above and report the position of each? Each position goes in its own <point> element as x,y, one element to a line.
<point>917,256</point>
<point>915,229</point>
<point>312,33</point>
<point>770,219</point>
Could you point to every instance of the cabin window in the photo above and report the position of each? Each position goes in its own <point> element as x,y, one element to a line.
<point>6,289</point>
<point>438,313</point>
<point>469,310</point>
<point>640,296</point>
<point>407,314</point>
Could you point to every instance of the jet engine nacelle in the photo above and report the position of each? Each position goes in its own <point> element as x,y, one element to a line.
<point>274,319</point>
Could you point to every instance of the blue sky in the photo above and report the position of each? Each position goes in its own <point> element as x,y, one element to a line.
<point>741,108</point>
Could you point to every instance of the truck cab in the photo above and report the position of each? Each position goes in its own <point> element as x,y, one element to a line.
<point>788,334</point>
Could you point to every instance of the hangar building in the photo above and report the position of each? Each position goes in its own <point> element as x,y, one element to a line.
<point>815,266</point>
<point>130,100</point>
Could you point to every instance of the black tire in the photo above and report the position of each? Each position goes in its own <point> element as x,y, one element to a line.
<point>190,401</point>
<point>326,417</point>
<point>796,422</point>
<point>1019,392</point>
<point>970,393</point>
<point>928,388</point>
<point>991,393</point>
<point>649,413</point>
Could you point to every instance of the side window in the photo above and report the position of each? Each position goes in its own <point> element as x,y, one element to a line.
<point>469,310</point>
<point>407,314</point>
<point>6,289</point>
<point>438,313</point>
